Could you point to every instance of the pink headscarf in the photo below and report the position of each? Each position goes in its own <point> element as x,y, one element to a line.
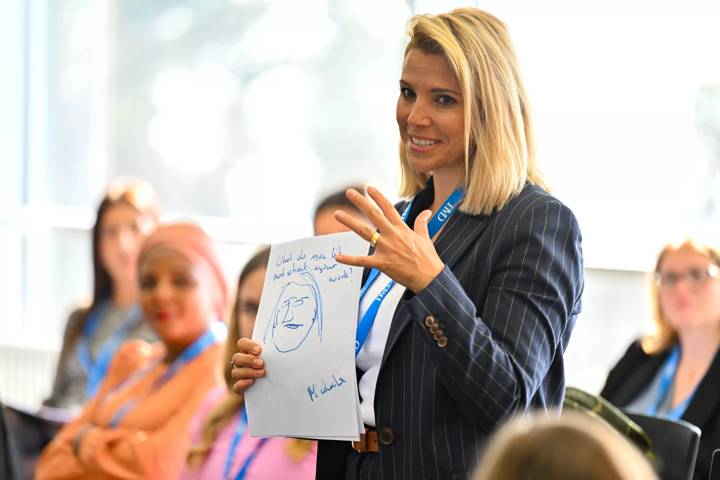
<point>194,244</point>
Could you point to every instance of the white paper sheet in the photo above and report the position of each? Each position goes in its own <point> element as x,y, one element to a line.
<point>306,322</point>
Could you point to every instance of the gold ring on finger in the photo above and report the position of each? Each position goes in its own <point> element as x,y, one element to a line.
<point>375,237</point>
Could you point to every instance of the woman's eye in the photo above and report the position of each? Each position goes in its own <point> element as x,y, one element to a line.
<point>147,283</point>
<point>446,100</point>
<point>249,309</point>
<point>696,275</point>
<point>406,92</point>
<point>109,231</point>
<point>182,281</point>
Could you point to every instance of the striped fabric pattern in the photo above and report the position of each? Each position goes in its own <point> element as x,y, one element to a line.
<point>506,301</point>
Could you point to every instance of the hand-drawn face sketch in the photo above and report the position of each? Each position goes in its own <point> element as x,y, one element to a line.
<point>297,312</point>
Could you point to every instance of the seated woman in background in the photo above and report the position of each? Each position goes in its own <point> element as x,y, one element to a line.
<point>222,446</point>
<point>568,447</point>
<point>324,222</point>
<point>126,215</point>
<point>674,372</point>
<point>136,425</point>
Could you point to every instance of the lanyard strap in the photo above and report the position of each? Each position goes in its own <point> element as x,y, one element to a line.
<point>234,443</point>
<point>96,370</point>
<point>246,466</point>
<point>436,223</point>
<point>239,432</point>
<point>208,339</point>
<point>667,375</point>
<point>83,344</point>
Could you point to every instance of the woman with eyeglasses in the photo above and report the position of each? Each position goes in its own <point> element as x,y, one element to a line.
<point>674,372</point>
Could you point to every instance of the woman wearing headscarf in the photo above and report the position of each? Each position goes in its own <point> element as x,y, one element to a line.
<point>136,425</point>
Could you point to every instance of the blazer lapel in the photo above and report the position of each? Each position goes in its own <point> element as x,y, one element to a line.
<point>704,400</point>
<point>637,378</point>
<point>458,235</point>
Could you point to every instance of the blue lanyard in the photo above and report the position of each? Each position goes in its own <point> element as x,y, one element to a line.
<point>97,369</point>
<point>239,432</point>
<point>439,218</point>
<point>667,375</point>
<point>213,335</point>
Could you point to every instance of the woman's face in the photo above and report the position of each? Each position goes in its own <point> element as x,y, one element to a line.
<point>174,297</point>
<point>122,231</point>
<point>431,115</point>
<point>691,299</point>
<point>248,301</point>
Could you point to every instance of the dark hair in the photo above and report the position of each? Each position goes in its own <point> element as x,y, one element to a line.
<point>134,193</point>
<point>338,199</point>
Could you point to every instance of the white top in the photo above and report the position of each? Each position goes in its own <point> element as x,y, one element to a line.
<point>370,356</point>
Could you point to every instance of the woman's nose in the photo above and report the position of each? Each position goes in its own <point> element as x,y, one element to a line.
<point>127,241</point>
<point>419,115</point>
<point>163,290</point>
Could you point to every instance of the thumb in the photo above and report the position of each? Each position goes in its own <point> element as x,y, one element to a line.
<point>421,223</point>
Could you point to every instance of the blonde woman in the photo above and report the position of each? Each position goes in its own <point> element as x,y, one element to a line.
<point>570,447</point>
<point>474,282</point>
<point>222,447</point>
<point>674,372</point>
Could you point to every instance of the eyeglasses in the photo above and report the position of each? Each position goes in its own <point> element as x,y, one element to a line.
<point>695,277</point>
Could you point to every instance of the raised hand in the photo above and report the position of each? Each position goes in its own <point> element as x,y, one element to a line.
<point>406,255</point>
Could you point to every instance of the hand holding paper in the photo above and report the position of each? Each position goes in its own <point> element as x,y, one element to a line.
<point>306,325</point>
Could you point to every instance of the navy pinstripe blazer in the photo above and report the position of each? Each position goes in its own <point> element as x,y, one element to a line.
<point>506,302</point>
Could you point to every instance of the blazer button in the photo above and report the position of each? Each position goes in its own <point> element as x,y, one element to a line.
<point>430,321</point>
<point>442,342</point>
<point>438,335</point>
<point>386,436</point>
<point>434,329</point>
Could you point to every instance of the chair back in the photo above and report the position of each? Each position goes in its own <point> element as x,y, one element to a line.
<point>675,443</point>
<point>715,466</point>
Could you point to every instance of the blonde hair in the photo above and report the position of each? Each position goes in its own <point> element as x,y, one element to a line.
<point>664,336</point>
<point>563,447</point>
<point>499,144</point>
<point>230,405</point>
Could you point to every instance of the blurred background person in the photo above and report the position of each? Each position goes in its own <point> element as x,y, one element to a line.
<point>222,446</point>
<point>324,222</point>
<point>674,372</point>
<point>568,447</point>
<point>126,215</point>
<point>136,425</point>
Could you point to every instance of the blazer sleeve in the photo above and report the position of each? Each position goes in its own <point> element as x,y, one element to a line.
<point>618,376</point>
<point>497,358</point>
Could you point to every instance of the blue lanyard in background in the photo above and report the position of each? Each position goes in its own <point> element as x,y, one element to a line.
<point>213,335</point>
<point>96,370</point>
<point>234,443</point>
<point>667,375</point>
<point>438,220</point>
